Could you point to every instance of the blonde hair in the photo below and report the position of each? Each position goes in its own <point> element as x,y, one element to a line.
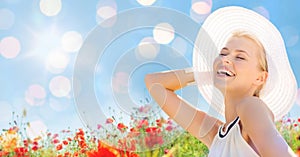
<point>262,59</point>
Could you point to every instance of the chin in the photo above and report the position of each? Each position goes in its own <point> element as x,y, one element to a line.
<point>221,86</point>
<point>223,83</point>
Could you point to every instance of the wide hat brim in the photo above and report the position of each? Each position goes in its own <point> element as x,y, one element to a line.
<point>280,90</point>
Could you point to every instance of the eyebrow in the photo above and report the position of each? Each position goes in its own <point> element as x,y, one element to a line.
<point>237,50</point>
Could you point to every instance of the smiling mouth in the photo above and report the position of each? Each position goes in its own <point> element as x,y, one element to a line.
<point>225,73</point>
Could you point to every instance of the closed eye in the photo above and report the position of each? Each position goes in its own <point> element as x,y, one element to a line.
<point>242,58</point>
<point>223,54</point>
<point>224,51</point>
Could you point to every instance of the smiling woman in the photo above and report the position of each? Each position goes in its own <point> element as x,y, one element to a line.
<point>40,42</point>
<point>241,49</point>
<point>235,86</point>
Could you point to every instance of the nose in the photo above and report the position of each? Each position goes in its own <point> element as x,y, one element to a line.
<point>225,59</point>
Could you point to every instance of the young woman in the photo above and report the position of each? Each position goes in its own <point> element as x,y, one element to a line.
<point>245,82</point>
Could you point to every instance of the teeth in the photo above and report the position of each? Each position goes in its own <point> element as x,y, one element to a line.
<point>225,72</point>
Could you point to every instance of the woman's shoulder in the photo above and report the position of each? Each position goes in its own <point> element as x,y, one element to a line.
<point>256,119</point>
<point>258,126</point>
<point>253,108</point>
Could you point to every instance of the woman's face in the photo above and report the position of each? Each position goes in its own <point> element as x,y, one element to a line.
<point>236,69</point>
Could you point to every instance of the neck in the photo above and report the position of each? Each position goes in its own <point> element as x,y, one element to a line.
<point>231,99</point>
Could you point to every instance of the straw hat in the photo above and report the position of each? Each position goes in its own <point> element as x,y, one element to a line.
<point>280,90</point>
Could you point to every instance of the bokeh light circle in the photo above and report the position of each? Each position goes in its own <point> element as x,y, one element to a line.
<point>10,47</point>
<point>7,18</point>
<point>50,7</point>
<point>146,2</point>
<point>147,49</point>
<point>60,86</point>
<point>57,61</point>
<point>35,95</point>
<point>71,41</point>
<point>106,9</point>
<point>201,7</point>
<point>36,129</point>
<point>200,10</point>
<point>106,12</point>
<point>163,33</point>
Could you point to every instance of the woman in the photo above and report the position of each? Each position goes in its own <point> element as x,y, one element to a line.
<point>245,82</point>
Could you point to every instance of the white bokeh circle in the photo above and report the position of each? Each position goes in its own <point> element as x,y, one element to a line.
<point>163,33</point>
<point>71,41</point>
<point>60,86</point>
<point>50,7</point>
<point>10,47</point>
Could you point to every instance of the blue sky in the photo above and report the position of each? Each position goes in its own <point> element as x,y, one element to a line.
<point>40,40</point>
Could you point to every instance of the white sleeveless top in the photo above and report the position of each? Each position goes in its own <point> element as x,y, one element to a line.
<point>230,143</point>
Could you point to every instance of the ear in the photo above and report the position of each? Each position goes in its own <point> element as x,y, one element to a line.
<point>261,79</point>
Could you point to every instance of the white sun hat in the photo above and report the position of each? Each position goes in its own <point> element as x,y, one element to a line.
<point>280,90</point>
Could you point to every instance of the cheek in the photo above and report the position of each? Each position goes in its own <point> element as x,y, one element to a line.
<point>241,68</point>
<point>248,72</point>
<point>216,62</point>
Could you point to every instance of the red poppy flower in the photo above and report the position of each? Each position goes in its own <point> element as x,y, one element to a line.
<point>169,128</point>
<point>153,137</point>
<point>49,134</point>
<point>35,143</point>
<point>160,122</point>
<point>55,135</point>
<point>67,154</point>
<point>103,151</point>
<point>65,142</point>
<point>122,127</point>
<point>2,153</point>
<point>35,148</point>
<point>21,151</point>
<point>25,142</point>
<point>76,154</point>
<point>143,123</point>
<point>59,147</point>
<point>107,151</point>
<point>55,141</point>
<point>109,120</point>
<point>152,130</point>
<point>80,133</point>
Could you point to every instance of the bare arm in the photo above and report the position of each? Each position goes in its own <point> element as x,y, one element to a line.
<point>257,121</point>
<point>162,86</point>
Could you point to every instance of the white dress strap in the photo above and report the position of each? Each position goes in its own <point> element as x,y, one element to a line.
<point>229,142</point>
<point>222,133</point>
